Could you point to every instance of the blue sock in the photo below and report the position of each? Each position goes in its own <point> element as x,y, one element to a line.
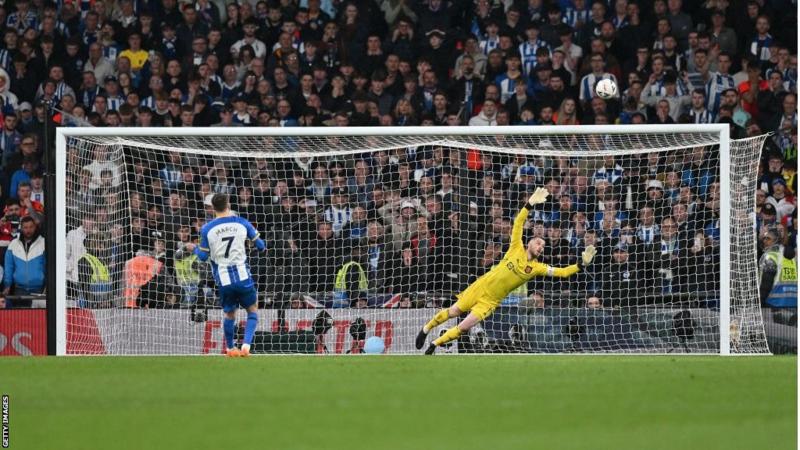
<point>227,326</point>
<point>250,328</point>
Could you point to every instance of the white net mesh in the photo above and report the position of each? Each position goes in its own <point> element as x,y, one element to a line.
<point>747,327</point>
<point>369,236</point>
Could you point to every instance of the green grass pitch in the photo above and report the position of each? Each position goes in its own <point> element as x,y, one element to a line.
<point>415,402</point>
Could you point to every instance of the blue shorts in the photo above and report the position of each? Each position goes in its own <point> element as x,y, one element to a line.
<point>236,295</point>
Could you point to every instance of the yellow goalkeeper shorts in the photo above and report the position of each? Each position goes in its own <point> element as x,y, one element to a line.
<point>477,302</point>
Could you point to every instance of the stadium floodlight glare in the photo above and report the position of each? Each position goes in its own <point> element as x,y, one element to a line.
<point>618,185</point>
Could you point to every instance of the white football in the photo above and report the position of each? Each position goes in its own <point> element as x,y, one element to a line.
<point>606,89</point>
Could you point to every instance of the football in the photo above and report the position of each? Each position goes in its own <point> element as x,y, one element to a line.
<point>606,89</point>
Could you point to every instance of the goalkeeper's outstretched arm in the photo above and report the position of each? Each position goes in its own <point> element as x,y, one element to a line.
<point>539,196</point>
<point>563,272</point>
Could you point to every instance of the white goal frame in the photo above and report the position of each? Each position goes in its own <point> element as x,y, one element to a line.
<point>62,134</point>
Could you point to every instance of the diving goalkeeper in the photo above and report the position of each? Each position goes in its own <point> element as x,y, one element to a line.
<point>518,266</point>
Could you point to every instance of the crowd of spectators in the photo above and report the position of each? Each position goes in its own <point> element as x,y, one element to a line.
<point>402,62</point>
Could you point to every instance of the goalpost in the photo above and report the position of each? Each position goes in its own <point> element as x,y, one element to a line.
<point>372,230</point>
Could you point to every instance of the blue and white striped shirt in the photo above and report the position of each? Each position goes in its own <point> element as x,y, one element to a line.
<point>658,89</point>
<point>703,116</point>
<point>507,86</point>
<point>29,21</point>
<point>620,23</point>
<point>528,51</point>
<point>338,217</point>
<point>489,44</point>
<point>149,102</point>
<point>649,234</point>
<point>6,60</point>
<point>87,96</point>
<point>573,16</point>
<point>760,47</point>
<point>716,84</point>
<point>171,175</point>
<point>613,176</point>
<point>223,241</point>
<point>61,27</point>
<point>114,102</point>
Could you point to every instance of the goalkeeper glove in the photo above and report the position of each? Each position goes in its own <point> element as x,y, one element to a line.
<point>539,196</point>
<point>587,256</point>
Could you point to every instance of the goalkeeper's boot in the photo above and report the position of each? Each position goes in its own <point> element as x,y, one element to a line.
<point>420,342</point>
<point>431,349</point>
<point>245,351</point>
<point>233,352</point>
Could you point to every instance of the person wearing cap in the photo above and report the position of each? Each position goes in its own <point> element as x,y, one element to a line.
<point>778,286</point>
<point>439,53</point>
<point>519,265</point>
<point>403,223</point>
<point>783,201</point>
<point>240,114</point>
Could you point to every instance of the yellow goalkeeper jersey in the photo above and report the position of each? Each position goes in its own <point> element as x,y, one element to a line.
<point>515,268</point>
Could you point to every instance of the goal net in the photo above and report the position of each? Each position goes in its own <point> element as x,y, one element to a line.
<point>371,231</point>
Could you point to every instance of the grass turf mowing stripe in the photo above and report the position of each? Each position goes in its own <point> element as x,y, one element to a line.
<point>519,402</point>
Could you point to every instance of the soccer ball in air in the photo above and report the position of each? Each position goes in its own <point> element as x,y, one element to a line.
<point>606,89</point>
